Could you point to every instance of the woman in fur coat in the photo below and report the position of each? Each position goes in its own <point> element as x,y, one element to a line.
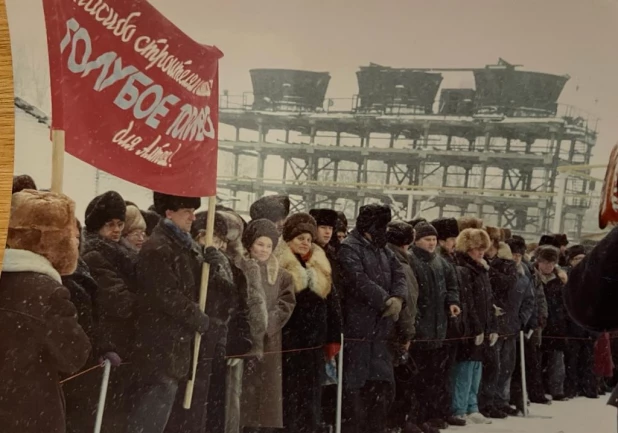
<point>113,267</point>
<point>261,399</point>
<point>479,320</point>
<point>40,337</point>
<point>313,333</point>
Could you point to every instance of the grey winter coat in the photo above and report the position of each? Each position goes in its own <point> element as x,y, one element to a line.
<point>519,305</point>
<point>438,290</point>
<point>372,276</point>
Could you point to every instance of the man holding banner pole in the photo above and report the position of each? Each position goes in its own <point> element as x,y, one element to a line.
<point>168,270</point>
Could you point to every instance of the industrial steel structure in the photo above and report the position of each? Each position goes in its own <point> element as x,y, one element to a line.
<point>493,150</point>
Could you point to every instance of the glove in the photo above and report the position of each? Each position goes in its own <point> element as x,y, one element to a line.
<point>478,340</point>
<point>493,339</point>
<point>113,359</point>
<point>393,308</point>
<point>213,256</point>
<point>498,311</point>
<point>331,350</point>
<point>529,334</point>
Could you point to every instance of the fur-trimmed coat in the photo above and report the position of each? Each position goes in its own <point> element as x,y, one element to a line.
<point>40,339</point>
<point>372,276</point>
<point>271,302</point>
<point>112,265</point>
<point>316,319</point>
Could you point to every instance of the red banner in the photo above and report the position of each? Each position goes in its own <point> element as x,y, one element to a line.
<point>136,97</point>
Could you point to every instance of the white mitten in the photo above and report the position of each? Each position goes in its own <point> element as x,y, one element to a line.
<point>478,340</point>
<point>529,334</point>
<point>498,311</point>
<point>493,339</point>
<point>233,362</point>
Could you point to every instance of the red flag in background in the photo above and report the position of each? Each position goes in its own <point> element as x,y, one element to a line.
<point>136,97</point>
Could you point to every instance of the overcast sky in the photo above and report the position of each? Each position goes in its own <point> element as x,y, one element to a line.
<point>578,38</point>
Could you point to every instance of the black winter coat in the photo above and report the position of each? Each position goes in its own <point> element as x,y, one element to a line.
<point>591,296</point>
<point>168,271</point>
<point>520,303</point>
<point>557,320</point>
<point>113,267</point>
<point>438,290</point>
<point>476,306</point>
<point>372,275</point>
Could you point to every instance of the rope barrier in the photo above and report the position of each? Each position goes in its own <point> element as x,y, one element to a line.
<point>354,340</point>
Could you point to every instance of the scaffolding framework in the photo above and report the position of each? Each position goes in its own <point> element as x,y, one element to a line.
<point>473,156</point>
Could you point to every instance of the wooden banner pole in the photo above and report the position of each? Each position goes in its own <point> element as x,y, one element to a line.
<point>57,160</point>
<point>210,226</point>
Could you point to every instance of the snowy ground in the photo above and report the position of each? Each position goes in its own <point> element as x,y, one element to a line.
<point>580,415</point>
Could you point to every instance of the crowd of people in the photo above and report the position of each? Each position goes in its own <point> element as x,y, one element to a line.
<point>429,313</point>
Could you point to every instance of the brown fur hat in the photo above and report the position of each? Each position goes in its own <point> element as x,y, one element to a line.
<point>469,223</point>
<point>257,229</point>
<point>470,239</point>
<point>198,227</point>
<point>495,234</point>
<point>547,253</point>
<point>44,223</point>
<point>507,234</point>
<point>21,182</point>
<point>298,224</point>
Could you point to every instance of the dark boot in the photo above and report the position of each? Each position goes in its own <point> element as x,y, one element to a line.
<point>492,412</point>
<point>411,428</point>
<point>509,410</point>
<point>438,423</point>
<point>451,420</point>
<point>428,428</point>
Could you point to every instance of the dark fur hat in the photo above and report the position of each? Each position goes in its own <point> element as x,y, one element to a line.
<point>152,219</point>
<point>424,229</point>
<point>165,202</point>
<point>399,233</point>
<point>574,251</point>
<point>298,224</point>
<point>446,228</point>
<point>271,207</point>
<point>103,208</point>
<point>562,239</point>
<point>21,182</point>
<point>469,223</point>
<point>517,245</point>
<point>373,215</point>
<point>549,240</point>
<point>324,217</point>
<point>199,225</point>
<point>414,222</point>
<point>258,228</point>
<point>547,253</point>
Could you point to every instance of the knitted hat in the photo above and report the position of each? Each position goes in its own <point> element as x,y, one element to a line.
<point>165,202</point>
<point>104,208</point>
<point>298,224</point>
<point>469,223</point>
<point>399,233</point>
<point>133,220</point>
<point>373,215</point>
<point>574,251</point>
<point>44,223</point>
<point>258,228</point>
<point>272,207</point>
<point>517,245</point>
<point>446,228</point>
<point>549,240</point>
<point>199,225</point>
<point>424,230</point>
<point>22,182</point>
<point>152,219</point>
<point>324,217</point>
<point>547,253</point>
<point>471,239</point>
